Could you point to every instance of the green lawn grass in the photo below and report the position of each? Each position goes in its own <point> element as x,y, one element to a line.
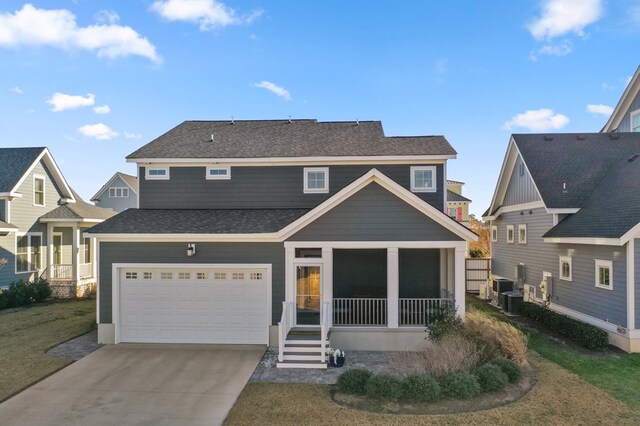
<point>26,334</point>
<point>615,373</point>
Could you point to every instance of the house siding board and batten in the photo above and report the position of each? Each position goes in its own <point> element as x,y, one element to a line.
<point>580,294</point>
<point>374,214</point>
<point>174,252</point>
<point>625,124</point>
<point>521,189</point>
<point>263,187</point>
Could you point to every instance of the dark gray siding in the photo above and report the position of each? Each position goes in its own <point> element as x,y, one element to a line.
<point>419,273</point>
<point>263,187</point>
<point>625,124</point>
<point>131,252</point>
<point>580,294</point>
<point>637,280</point>
<point>521,188</point>
<point>374,214</point>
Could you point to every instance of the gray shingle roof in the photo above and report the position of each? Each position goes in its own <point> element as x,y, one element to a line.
<point>78,210</point>
<point>284,138</point>
<point>14,163</point>
<point>6,225</point>
<point>611,210</point>
<point>146,221</point>
<point>132,181</point>
<point>581,161</point>
<point>453,196</point>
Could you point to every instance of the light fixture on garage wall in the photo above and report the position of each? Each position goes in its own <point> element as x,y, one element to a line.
<point>191,250</point>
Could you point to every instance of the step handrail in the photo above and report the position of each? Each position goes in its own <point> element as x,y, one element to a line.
<point>324,329</point>
<point>284,326</point>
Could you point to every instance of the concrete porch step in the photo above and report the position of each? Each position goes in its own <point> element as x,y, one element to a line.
<point>303,348</point>
<point>302,356</point>
<point>302,364</point>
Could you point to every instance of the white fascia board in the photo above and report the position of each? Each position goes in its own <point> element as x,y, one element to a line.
<point>563,211</point>
<point>68,220</point>
<point>631,91</point>
<point>514,208</point>
<point>460,245</point>
<point>9,230</point>
<point>104,187</point>
<point>585,240</point>
<point>267,237</point>
<point>10,195</point>
<point>55,170</point>
<point>385,159</point>
<point>631,233</point>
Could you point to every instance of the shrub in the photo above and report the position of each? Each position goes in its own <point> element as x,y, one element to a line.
<point>587,335</point>
<point>385,386</point>
<point>491,378</point>
<point>510,368</point>
<point>3,299</point>
<point>495,338</point>
<point>443,322</point>
<point>451,354</point>
<point>461,385</point>
<point>420,387</point>
<point>41,290</point>
<point>354,380</point>
<point>477,252</point>
<point>23,292</point>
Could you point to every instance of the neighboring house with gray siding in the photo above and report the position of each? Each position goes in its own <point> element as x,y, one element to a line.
<point>567,209</point>
<point>42,221</point>
<point>119,193</point>
<point>283,232</point>
<point>626,115</point>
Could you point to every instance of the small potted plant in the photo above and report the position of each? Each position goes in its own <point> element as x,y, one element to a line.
<point>336,357</point>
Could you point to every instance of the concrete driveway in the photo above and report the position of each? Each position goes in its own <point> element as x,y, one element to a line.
<point>140,384</point>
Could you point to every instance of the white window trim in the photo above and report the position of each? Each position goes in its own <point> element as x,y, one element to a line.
<point>633,115</point>
<point>434,179</point>
<point>324,190</point>
<point>522,240</point>
<point>122,190</point>
<point>28,234</point>
<point>148,177</point>
<point>513,234</point>
<point>218,177</point>
<point>599,263</point>
<point>568,260</point>
<point>494,234</point>
<point>44,190</point>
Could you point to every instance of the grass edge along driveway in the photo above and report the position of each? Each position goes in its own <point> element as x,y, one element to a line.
<point>27,333</point>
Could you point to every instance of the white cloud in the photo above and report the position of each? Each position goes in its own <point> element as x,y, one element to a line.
<point>274,88</point>
<point>98,131</point>
<point>102,109</point>
<point>62,101</point>
<point>560,17</point>
<point>605,110</point>
<point>132,135</point>
<point>34,27</point>
<point>107,17</point>
<point>208,14</point>
<point>560,49</point>
<point>16,89</point>
<point>537,120</point>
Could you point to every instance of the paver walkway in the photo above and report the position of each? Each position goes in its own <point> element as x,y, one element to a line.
<point>77,348</point>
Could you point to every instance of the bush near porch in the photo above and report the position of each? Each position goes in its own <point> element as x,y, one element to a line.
<point>23,292</point>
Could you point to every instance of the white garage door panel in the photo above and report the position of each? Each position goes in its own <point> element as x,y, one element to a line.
<point>202,305</point>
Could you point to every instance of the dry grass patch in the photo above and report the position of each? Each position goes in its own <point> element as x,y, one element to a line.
<point>498,337</point>
<point>450,354</point>
<point>559,398</point>
<point>26,333</point>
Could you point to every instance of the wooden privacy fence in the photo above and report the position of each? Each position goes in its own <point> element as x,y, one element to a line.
<point>477,271</point>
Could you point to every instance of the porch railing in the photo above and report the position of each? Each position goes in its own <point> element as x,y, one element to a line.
<point>86,270</point>
<point>360,311</point>
<point>62,272</point>
<point>284,326</point>
<point>419,312</point>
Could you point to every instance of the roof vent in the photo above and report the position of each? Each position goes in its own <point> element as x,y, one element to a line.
<point>212,139</point>
<point>633,157</point>
<point>564,188</point>
<point>581,137</point>
<point>357,121</point>
<point>232,121</point>
<point>614,136</point>
<point>548,138</point>
<point>289,119</point>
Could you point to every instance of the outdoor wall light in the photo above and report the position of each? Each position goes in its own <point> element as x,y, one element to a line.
<point>191,250</point>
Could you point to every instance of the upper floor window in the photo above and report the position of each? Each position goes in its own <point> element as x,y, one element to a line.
<point>316,180</point>
<point>494,234</point>
<point>423,179</point>
<point>218,173</point>
<point>118,192</point>
<point>38,190</point>
<point>510,234</point>
<point>635,121</point>
<point>522,234</point>
<point>158,173</point>
<point>566,268</point>
<point>604,274</point>
<point>29,252</point>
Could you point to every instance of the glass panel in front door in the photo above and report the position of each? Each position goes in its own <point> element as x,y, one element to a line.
<point>308,295</point>
<point>57,249</point>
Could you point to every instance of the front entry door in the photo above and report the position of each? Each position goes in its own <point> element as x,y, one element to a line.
<point>57,249</point>
<point>308,284</point>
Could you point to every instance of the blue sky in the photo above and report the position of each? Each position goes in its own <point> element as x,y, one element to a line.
<point>95,80</point>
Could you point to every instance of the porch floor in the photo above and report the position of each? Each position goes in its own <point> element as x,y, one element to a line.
<point>375,361</point>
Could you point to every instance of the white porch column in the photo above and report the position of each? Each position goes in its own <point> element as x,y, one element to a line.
<point>75,251</point>
<point>460,281</point>
<point>290,278</point>
<point>327,281</point>
<point>631,281</point>
<point>393,286</point>
<point>49,251</point>
<point>94,258</point>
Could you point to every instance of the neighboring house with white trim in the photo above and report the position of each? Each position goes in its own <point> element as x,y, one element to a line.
<point>567,207</point>
<point>42,221</point>
<point>119,193</point>
<point>457,204</point>
<point>626,115</point>
<point>290,233</point>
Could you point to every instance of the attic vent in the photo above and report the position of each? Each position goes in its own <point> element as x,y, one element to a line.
<point>581,137</point>
<point>212,139</point>
<point>548,138</point>
<point>633,157</point>
<point>614,136</point>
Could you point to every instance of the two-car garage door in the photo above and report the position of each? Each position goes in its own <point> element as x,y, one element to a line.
<point>194,305</point>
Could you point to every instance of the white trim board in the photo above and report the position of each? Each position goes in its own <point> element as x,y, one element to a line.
<point>109,182</point>
<point>630,92</point>
<point>265,161</point>
<point>46,156</point>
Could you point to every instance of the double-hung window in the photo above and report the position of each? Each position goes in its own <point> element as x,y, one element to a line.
<point>316,180</point>
<point>510,234</point>
<point>522,234</point>
<point>38,190</point>
<point>423,179</point>
<point>494,234</point>
<point>635,121</point>
<point>604,274</point>
<point>29,253</point>
<point>566,268</point>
